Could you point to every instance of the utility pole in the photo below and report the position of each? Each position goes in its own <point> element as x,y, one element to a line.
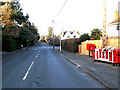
<point>54,21</point>
<point>61,35</point>
<point>104,26</point>
<point>60,38</point>
<point>53,32</point>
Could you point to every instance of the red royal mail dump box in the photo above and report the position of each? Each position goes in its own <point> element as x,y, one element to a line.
<point>90,47</point>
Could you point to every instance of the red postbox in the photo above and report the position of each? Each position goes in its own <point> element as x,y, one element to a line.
<point>90,47</point>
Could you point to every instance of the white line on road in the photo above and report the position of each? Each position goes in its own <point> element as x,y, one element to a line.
<point>26,74</point>
<point>37,54</point>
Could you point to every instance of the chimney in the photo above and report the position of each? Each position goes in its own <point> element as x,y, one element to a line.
<point>116,14</point>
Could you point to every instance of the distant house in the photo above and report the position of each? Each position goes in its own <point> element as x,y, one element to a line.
<point>70,34</point>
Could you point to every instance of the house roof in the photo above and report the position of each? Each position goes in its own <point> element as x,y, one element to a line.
<point>64,33</point>
<point>116,21</point>
<point>71,32</point>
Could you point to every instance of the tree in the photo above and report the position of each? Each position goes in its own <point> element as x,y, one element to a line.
<point>15,25</point>
<point>49,33</point>
<point>78,32</point>
<point>38,36</point>
<point>6,15</point>
<point>24,34</point>
<point>17,13</point>
<point>32,29</point>
<point>11,17</point>
<point>84,37</point>
<point>96,34</point>
<point>11,12</point>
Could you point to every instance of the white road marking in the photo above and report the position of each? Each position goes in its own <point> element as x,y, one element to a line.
<point>37,54</point>
<point>26,74</point>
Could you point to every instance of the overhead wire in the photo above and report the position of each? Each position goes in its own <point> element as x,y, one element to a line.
<point>61,8</point>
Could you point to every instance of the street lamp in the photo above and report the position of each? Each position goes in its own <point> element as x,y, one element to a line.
<point>53,32</point>
<point>60,43</point>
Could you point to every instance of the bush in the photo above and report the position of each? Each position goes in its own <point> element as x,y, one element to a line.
<point>70,45</point>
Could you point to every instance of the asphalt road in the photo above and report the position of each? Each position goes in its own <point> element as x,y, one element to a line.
<point>42,67</point>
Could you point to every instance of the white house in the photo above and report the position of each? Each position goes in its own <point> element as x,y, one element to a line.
<point>69,35</point>
<point>114,27</point>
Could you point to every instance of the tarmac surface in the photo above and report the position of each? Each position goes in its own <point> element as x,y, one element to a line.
<point>42,67</point>
<point>102,71</point>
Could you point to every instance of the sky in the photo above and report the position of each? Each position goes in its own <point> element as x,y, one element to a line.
<point>81,15</point>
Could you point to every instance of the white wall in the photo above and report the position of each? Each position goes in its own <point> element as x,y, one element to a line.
<point>112,31</point>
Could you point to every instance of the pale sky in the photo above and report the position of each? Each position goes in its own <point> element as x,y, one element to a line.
<point>81,15</point>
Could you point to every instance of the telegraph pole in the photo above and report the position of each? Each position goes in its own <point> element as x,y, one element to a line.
<point>60,39</point>
<point>104,26</point>
<point>54,21</point>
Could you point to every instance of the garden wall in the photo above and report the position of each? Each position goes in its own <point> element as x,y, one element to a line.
<point>98,43</point>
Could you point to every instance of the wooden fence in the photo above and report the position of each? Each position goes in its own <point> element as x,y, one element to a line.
<point>98,43</point>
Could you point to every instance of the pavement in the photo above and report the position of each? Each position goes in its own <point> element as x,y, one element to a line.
<point>103,72</point>
<point>10,55</point>
<point>42,67</point>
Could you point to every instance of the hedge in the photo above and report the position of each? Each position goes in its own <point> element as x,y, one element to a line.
<point>70,45</point>
<point>9,45</point>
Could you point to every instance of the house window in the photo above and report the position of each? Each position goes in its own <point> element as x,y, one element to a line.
<point>74,36</point>
<point>118,27</point>
<point>68,36</point>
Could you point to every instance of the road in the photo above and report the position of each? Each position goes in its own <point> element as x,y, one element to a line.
<point>42,67</point>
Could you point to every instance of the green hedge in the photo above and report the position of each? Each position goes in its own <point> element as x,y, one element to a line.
<point>31,42</point>
<point>9,45</point>
<point>70,45</point>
